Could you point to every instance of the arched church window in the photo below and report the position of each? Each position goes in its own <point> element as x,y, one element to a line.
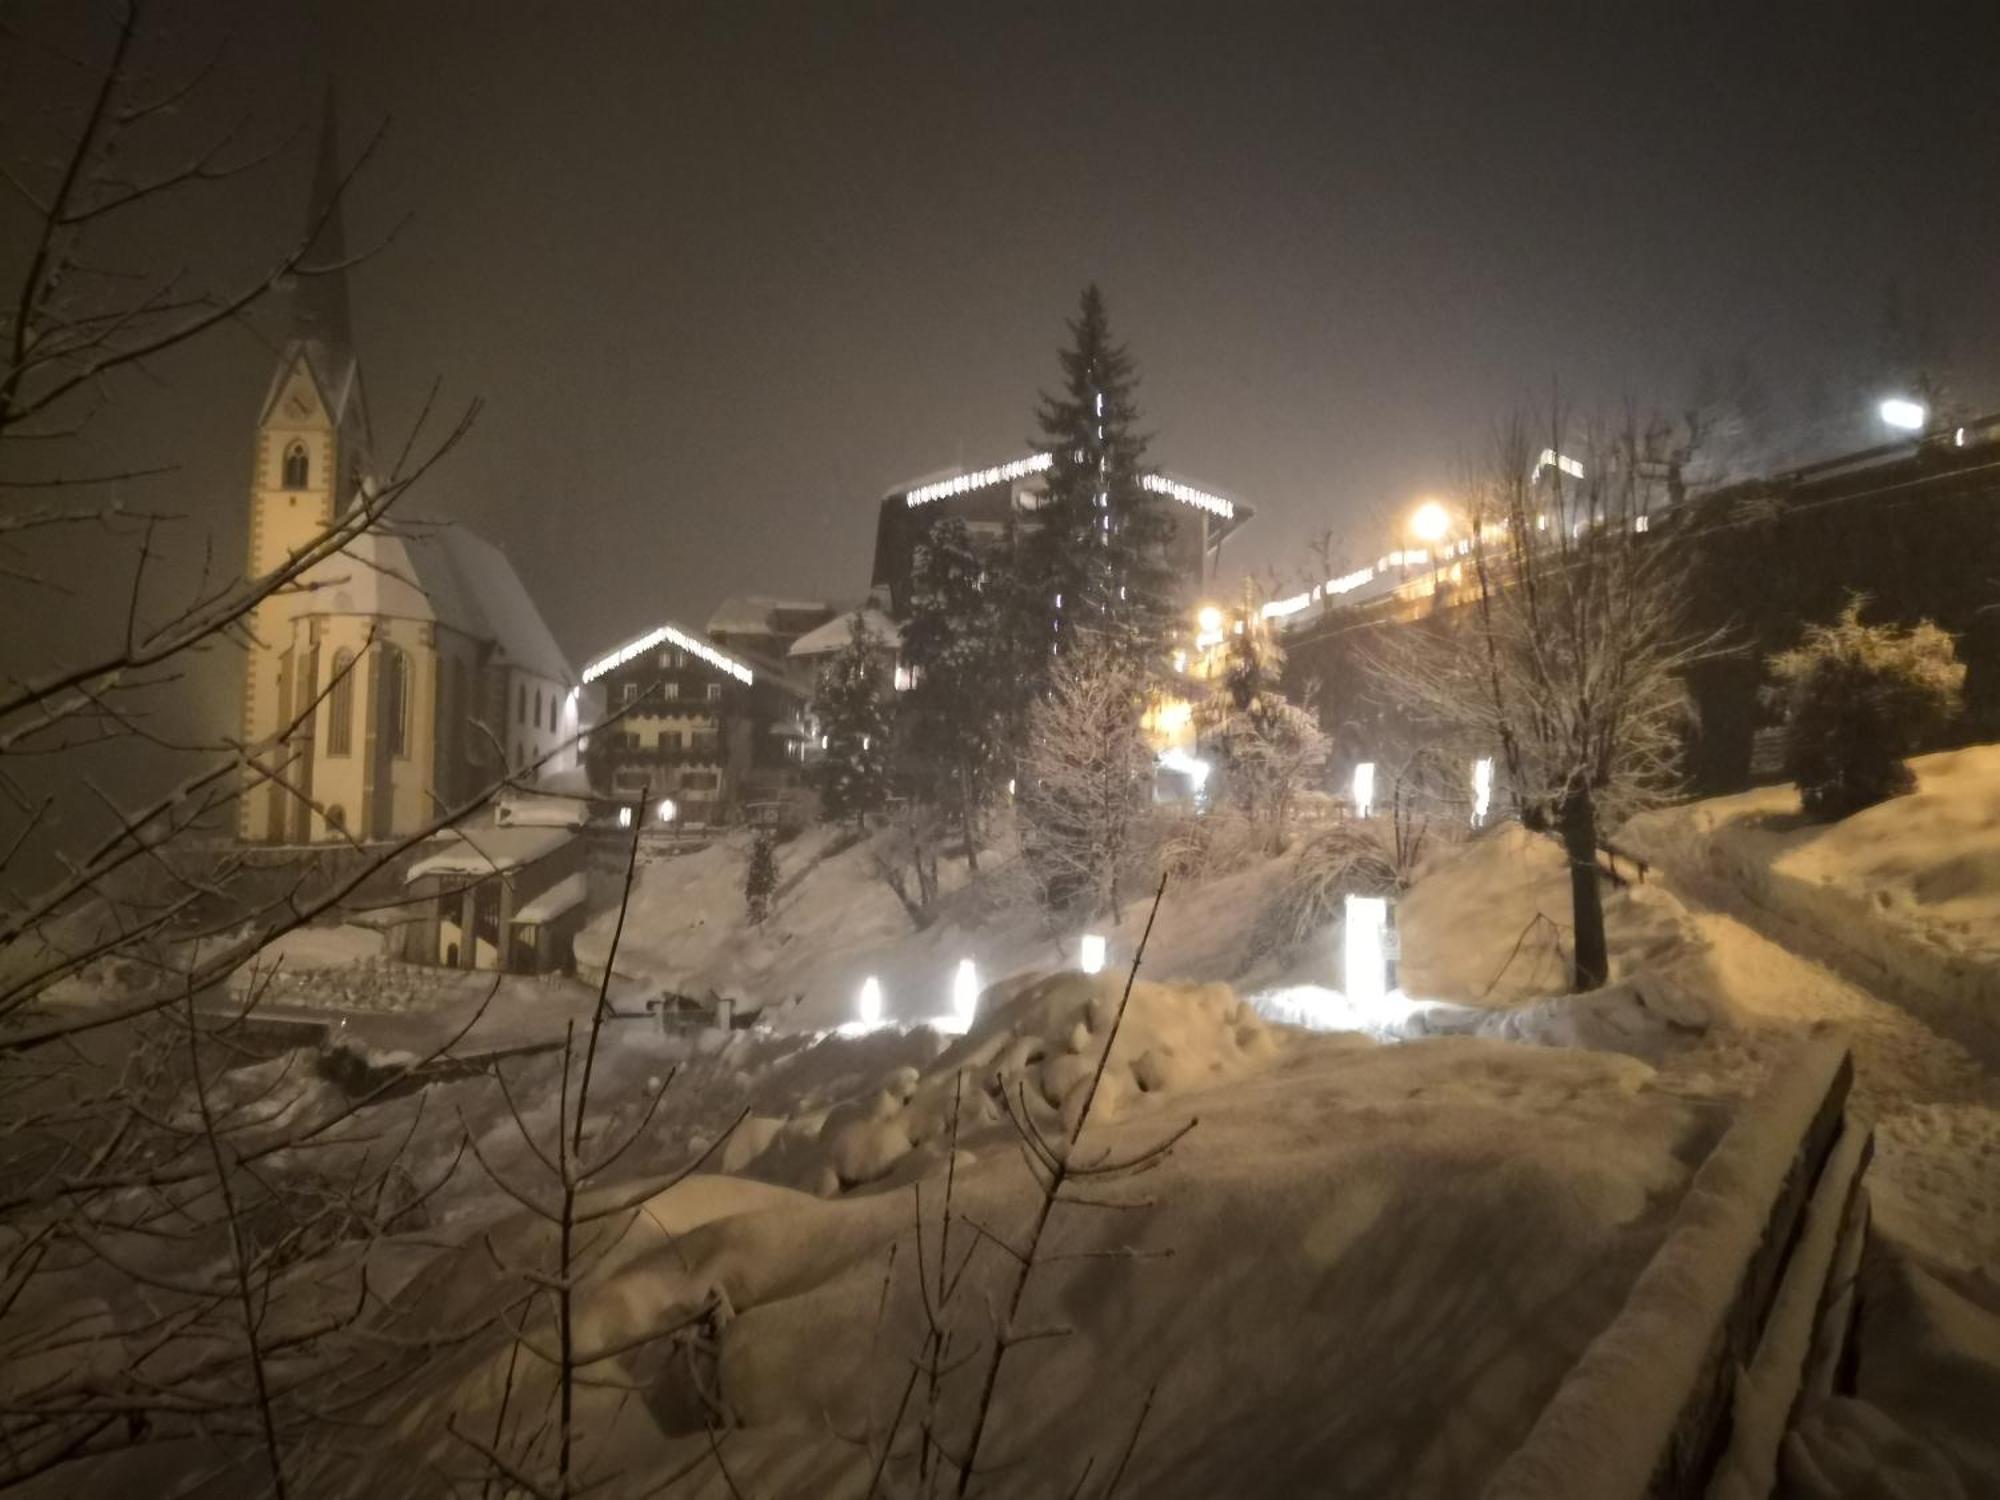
<point>396,701</point>
<point>538,708</point>
<point>298,468</point>
<point>340,705</point>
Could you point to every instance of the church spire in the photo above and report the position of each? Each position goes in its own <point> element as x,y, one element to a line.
<point>319,302</point>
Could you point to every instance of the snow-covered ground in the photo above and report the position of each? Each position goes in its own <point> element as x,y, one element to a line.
<point>1385,1248</point>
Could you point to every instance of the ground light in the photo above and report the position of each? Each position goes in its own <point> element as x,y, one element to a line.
<point>1090,953</point>
<point>1366,980</point>
<point>1364,788</point>
<point>1482,788</point>
<point>868,1008</point>
<point>965,994</point>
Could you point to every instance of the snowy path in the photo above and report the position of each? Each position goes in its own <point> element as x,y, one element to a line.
<point>1936,1175</point>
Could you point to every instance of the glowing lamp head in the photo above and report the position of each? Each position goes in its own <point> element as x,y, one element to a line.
<point>868,1006</point>
<point>1090,953</point>
<point>1210,620</point>
<point>1430,522</point>
<point>1904,414</point>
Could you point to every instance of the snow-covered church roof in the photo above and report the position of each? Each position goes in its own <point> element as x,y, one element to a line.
<point>868,621</point>
<point>442,572</point>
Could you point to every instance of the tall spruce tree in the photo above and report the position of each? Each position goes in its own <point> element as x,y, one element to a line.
<point>1094,567</point>
<point>964,694</point>
<point>854,773</point>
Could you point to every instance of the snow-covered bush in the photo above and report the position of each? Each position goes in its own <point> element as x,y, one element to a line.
<point>1856,700</point>
<point>1204,846</point>
<point>1341,860</point>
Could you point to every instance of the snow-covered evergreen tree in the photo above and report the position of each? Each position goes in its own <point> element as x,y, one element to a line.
<point>760,877</point>
<point>1085,781</point>
<point>962,700</point>
<point>1265,747</point>
<point>1857,699</point>
<point>1095,565</point>
<point>854,773</point>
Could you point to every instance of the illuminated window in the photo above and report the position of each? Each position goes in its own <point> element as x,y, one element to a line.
<point>297,467</point>
<point>340,705</point>
<point>715,692</point>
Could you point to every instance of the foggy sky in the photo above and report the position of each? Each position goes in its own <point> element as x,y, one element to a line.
<point>724,273</point>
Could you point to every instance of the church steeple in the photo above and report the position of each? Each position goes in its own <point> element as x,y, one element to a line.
<point>319,289</point>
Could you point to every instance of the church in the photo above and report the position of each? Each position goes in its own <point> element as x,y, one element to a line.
<point>406,673</point>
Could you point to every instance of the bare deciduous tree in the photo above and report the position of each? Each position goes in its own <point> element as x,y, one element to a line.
<point>1565,652</point>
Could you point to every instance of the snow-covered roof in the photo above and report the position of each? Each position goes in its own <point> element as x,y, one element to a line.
<point>533,810</point>
<point>486,850</point>
<point>749,614</point>
<point>437,571</point>
<point>835,634</point>
<point>565,895</point>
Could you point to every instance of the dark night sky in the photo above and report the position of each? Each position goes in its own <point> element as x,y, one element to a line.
<point>723,273</point>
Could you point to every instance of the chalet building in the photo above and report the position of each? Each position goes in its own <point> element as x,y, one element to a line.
<point>705,734</point>
<point>411,669</point>
<point>996,502</point>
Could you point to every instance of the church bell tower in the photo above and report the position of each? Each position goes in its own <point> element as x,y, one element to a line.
<point>311,452</point>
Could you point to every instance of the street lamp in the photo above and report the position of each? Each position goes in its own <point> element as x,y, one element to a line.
<point>1430,523</point>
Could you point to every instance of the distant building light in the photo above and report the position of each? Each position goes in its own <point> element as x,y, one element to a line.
<point>1191,766</point>
<point>667,810</point>
<point>1561,462</point>
<point>1958,438</point>
<point>1280,609</point>
<point>1900,412</point>
<point>1347,583</point>
<point>868,1006</point>
<point>1364,788</point>
<point>1090,952</point>
<point>1482,788</point>
<point>1642,523</point>
<point>624,817</point>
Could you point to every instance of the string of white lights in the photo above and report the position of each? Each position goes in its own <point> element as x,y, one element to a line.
<point>1187,494</point>
<point>667,634</point>
<point>979,479</point>
<point>1037,463</point>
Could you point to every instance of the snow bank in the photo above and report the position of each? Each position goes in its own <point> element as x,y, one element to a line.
<point>1907,892</point>
<point>1609,1425</point>
<point>1363,1272</point>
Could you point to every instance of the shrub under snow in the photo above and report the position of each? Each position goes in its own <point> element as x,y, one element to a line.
<point>1857,699</point>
